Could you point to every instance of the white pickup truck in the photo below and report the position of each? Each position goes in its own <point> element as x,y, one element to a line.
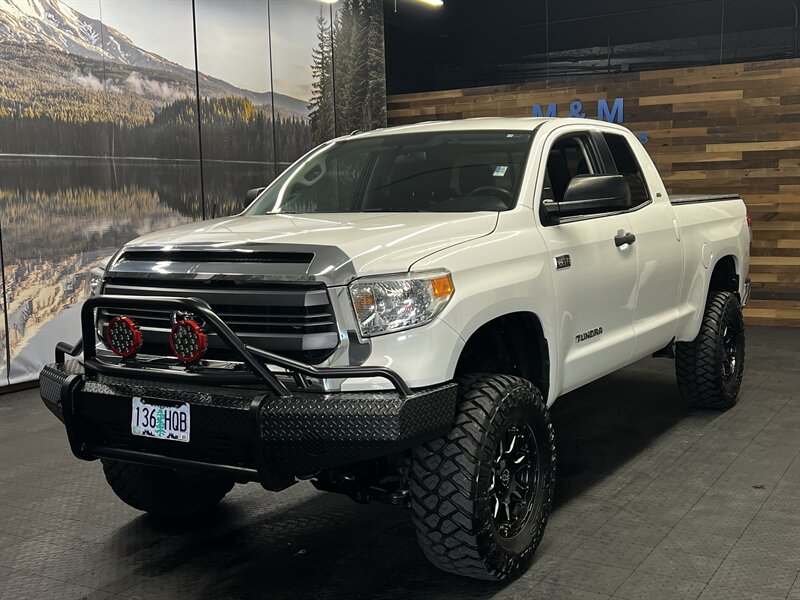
<point>391,319</point>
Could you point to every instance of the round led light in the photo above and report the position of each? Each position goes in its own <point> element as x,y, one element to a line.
<point>187,340</point>
<point>123,337</point>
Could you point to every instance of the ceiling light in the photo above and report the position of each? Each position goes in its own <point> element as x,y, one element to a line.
<point>329,1</point>
<point>433,2</point>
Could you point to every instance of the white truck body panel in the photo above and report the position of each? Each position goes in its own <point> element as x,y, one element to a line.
<point>377,243</point>
<point>709,231</point>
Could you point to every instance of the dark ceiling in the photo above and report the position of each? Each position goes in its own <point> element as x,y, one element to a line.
<point>468,43</point>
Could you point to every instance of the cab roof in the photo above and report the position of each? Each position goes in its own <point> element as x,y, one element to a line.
<point>475,124</point>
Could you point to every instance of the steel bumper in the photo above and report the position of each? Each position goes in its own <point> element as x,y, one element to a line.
<point>245,433</point>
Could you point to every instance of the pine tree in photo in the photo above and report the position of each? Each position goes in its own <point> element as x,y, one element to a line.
<point>321,104</point>
<point>343,57</point>
<point>360,65</point>
<point>359,72</point>
<point>374,108</point>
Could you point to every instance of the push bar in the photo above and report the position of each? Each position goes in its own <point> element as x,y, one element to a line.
<point>253,358</point>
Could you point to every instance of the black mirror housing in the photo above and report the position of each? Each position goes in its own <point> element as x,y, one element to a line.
<point>591,194</point>
<point>253,194</point>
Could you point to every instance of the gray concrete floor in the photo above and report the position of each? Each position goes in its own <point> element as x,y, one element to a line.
<point>653,501</point>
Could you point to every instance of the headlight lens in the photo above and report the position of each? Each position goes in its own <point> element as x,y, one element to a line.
<point>96,280</point>
<point>384,305</point>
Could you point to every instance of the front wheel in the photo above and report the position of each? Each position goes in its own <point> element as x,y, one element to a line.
<point>164,492</point>
<point>481,495</point>
<point>710,367</point>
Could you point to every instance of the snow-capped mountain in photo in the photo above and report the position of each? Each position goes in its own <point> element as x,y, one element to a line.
<point>53,24</point>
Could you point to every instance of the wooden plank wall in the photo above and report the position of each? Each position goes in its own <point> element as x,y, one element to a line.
<point>722,128</point>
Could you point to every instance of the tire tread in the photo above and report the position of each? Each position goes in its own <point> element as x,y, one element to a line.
<point>445,473</point>
<point>698,363</point>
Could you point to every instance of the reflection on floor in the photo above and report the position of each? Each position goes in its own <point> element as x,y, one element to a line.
<point>654,501</point>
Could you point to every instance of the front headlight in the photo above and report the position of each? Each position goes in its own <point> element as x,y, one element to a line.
<point>96,280</point>
<point>388,304</point>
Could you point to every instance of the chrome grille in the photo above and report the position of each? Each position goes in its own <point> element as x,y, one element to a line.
<point>295,320</point>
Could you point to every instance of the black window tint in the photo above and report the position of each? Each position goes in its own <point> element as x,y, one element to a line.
<point>628,167</point>
<point>576,161</point>
<point>566,160</point>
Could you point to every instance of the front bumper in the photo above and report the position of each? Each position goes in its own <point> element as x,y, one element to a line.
<point>244,433</point>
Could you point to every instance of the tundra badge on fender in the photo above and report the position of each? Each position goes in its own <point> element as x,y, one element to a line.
<point>582,337</point>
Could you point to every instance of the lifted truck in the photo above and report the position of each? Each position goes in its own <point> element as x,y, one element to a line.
<point>391,319</point>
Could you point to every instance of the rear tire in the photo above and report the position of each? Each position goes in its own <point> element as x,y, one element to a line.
<point>710,367</point>
<point>164,492</point>
<point>481,495</point>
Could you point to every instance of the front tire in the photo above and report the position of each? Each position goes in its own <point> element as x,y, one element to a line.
<point>481,495</point>
<point>710,367</point>
<point>164,492</point>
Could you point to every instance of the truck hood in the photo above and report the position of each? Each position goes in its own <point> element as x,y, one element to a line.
<point>373,243</point>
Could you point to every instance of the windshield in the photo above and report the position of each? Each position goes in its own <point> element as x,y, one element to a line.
<point>458,171</point>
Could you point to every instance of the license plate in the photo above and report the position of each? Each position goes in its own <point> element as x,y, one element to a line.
<point>160,422</point>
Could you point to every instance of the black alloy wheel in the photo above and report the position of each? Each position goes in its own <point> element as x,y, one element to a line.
<point>515,479</point>
<point>730,347</point>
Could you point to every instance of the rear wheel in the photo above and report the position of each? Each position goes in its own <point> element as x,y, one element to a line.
<point>164,492</point>
<point>481,495</point>
<point>710,367</point>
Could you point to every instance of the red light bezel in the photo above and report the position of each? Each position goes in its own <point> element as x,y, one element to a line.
<point>202,341</point>
<point>134,328</point>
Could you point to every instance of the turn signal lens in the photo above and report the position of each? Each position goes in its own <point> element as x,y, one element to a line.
<point>123,337</point>
<point>188,341</point>
<point>363,299</point>
<point>442,286</point>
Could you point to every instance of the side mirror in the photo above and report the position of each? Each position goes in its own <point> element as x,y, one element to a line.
<point>253,194</point>
<point>590,194</point>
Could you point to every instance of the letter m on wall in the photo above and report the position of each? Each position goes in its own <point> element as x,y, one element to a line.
<point>614,114</point>
<point>551,110</point>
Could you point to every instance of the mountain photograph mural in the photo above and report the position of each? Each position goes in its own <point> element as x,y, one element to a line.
<point>118,117</point>
<point>69,76</point>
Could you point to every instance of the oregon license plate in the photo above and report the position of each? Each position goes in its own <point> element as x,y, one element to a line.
<point>160,422</point>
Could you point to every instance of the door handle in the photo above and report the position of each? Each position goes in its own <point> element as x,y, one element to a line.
<point>624,237</point>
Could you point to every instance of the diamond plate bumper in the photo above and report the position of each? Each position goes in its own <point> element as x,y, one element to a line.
<point>243,432</point>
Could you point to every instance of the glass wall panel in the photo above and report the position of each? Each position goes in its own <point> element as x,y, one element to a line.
<point>56,106</point>
<point>755,31</point>
<point>624,36</point>
<point>358,58</point>
<point>233,57</point>
<point>302,76</point>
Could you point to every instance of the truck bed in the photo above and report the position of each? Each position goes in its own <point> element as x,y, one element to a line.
<point>697,198</point>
